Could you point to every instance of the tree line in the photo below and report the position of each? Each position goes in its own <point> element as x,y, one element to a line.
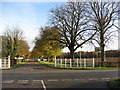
<point>79,23</point>
<point>92,54</point>
<point>46,44</point>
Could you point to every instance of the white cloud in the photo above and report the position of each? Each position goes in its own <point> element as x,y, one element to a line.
<point>30,33</point>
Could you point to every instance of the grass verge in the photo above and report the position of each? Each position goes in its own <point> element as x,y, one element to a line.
<point>51,64</point>
<point>18,65</point>
<point>114,84</point>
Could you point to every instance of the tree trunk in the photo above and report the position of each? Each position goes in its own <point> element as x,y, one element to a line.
<point>72,54</point>
<point>102,55</point>
<point>102,46</point>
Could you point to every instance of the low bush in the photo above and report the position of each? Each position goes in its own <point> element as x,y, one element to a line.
<point>114,84</point>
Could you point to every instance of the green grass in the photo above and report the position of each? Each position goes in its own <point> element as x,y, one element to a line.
<point>51,64</point>
<point>114,83</point>
<point>19,64</point>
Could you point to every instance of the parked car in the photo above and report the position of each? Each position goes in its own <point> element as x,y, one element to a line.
<point>37,59</point>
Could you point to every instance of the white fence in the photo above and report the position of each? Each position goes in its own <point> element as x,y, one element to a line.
<point>5,63</point>
<point>74,63</point>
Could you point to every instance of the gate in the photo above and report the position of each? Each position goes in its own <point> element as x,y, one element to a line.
<point>5,63</point>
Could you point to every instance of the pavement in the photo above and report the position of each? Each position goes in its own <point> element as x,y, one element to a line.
<point>34,75</point>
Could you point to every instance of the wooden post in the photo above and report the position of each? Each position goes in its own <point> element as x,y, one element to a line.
<point>5,60</point>
<point>70,62</point>
<point>84,62</point>
<point>80,62</point>
<point>65,62</point>
<point>55,61</point>
<point>9,61</point>
<point>0,63</point>
<point>93,62</point>
<point>77,62</point>
<point>61,61</point>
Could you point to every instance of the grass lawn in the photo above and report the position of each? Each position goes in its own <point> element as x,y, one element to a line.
<point>19,64</point>
<point>51,64</point>
<point>114,83</point>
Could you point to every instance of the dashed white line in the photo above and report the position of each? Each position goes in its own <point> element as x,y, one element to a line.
<point>105,78</point>
<point>44,87</point>
<point>80,79</point>
<point>8,81</point>
<point>37,80</point>
<point>53,80</point>
<point>93,79</point>
<point>23,81</point>
<point>66,79</point>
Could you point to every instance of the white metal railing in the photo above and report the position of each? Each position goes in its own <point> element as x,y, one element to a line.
<point>5,63</point>
<point>74,63</point>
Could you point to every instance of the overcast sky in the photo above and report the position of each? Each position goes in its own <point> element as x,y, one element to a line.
<point>29,16</point>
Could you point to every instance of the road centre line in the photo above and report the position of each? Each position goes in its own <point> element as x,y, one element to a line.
<point>8,81</point>
<point>44,87</point>
<point>53,80</point>
<point>105,78</point>
<point>80,79</point>
<point>25,81</point>
<point>22,81</point>
<point>37,80</point>
<point>93,79</point>
<point>65,79</point>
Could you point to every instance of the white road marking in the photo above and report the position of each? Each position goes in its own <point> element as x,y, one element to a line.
<point>66,79</point>
<point>22,81</point>
<point>8,81</point>
<point>93,79</point>
<point>80,79</point>
<point>44,87</point>
<point>53,80</point>
<point>105,78</point>
<point>36,81</point>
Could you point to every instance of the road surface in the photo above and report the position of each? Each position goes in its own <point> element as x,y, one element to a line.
<point>36,76</point>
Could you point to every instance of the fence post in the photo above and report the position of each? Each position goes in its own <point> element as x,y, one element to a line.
<point>61,61</point>
<point>55,61</point>
<point>80,62</point>
<point>5,60</point>
<point>77,62</point>
<point>84,62</point>
<point>70,62</point>
<point>9,61</point>
<point>0,63</point>
<point>93,62</point>
<point>65,63</point>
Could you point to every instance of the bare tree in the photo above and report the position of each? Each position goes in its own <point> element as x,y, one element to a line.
<point>102,16</point>
<point>72,25</point>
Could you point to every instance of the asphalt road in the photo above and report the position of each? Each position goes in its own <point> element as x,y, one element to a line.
<point>34,75</point>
